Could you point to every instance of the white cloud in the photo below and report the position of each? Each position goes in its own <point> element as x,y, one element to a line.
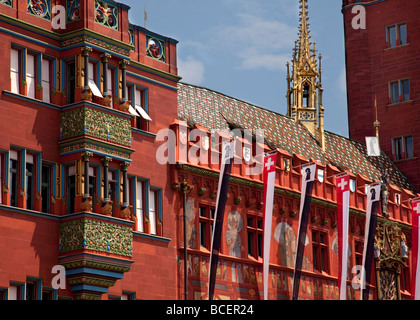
<point>255,41</point>
<point>191,70</point>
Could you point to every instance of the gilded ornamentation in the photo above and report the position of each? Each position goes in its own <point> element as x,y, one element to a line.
<point>86,204</point>
<point>7,2</point>
<point>96,235</point>
<point>126,213</point>
<point>106,14</point>
<point>155,48</point>
<point>97,42</point>
<point>389,255</point>
<point>92,122</point>
<point>106,207</point>
<point>40,8</point>
<point>86,94</point>
<point>73,10</point>
<point>125,105</point>
<point>131,34</point>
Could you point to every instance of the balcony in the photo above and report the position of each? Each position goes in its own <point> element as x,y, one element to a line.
<point>96,251</point>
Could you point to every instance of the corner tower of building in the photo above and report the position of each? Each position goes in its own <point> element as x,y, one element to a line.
<point>381,39</point>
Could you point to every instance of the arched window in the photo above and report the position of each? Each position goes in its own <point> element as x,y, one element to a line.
<point>305,96</point>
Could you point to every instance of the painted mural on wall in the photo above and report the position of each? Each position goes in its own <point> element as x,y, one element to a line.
<point>191,230</point>
<point>233,238</point>
<point>286,238</point>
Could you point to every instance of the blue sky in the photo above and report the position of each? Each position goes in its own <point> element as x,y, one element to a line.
<point>240,47</point>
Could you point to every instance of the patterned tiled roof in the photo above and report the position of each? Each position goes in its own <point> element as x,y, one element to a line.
<point>216,111</point>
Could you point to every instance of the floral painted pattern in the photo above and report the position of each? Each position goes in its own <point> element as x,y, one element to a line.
<point>96,235</point>
<point>95,123</point>
<point>40,8</point>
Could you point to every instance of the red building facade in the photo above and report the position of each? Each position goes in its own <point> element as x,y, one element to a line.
<point>83,190</point>
<point>80,184</point>
<point>382,64</point>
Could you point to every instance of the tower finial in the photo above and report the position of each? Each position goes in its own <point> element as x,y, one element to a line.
<point>304,43</point>
<point>376,124</point>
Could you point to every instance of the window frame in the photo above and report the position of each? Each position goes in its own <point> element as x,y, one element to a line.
<point>398,41</point>
<point>254,233</point>
<point>141,122</point>
<point>399,85</point>
<point>14,173</point>
<point>320,252</point>
<point>403,153</point>
<point>205,223</point>
<point>31,79</point>
<point>30,180</point>
<point>152,212</point>
<point>46,78</point>
<point>140,195</point>
<point>17,73</point>
<point>70,186</point>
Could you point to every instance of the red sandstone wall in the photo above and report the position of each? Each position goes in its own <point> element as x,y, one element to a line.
<point>371,65</point>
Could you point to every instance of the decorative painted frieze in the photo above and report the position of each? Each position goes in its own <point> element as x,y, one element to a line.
<point>95,123</point>
<point>97,42</point>
<point>87,234</point>
<point>40,8</point>
<point>106,14</point>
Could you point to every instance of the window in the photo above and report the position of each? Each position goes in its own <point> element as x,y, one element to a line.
<point>305,96</point>
<point>71,81</point>
<point>3,293</point>
<point>110,74</point>
<point>255,236</point>
<point>402,147</point>
<point>405,89</point>
<point>206,220</point>
<point>30,75</point>
<point>402,32</point>
<point>152,211</point>
<point>92,181</point>
<point>47,294</point>
<point>396,35</point>
<point>92,78</point>
<point>32,287</point>
<point>14,70</point>
<point>405,279</point>
<point>14,176</point>
<point>16,291</point>
<point>30,181</point>
<point>71,188</point>
<point>358,252</point>
<point>46,80</point>
<point>128,296</point>
<point>399,91</point>
<point>320,251</point>
<point>139,205</point>
<point>46,187</point>
<point>112,186</point>
<point>137,95</point>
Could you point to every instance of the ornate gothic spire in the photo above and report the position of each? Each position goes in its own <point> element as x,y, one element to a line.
<point>304,94</point>
<point>304,37</point>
